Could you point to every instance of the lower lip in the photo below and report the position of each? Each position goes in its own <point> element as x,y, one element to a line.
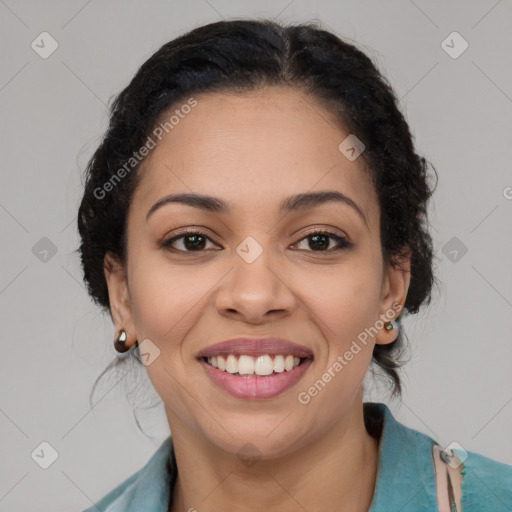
<point>256,386</point>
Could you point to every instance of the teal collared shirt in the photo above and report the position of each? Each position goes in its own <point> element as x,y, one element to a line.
<point>405,477</point>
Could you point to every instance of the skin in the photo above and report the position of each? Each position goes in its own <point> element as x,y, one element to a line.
<point>252,150</point>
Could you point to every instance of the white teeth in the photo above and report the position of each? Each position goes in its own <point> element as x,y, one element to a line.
<point>231,364</point>
<point>279,364</point>
<point>248,365</point>
<point>264,365</point>
<point>245,365</point>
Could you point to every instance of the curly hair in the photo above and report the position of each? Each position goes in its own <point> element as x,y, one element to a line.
<point>242,55</point>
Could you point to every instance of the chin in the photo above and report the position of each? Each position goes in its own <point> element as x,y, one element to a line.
<point>258,441</point>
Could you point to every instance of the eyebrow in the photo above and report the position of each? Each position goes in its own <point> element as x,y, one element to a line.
<point>299,202</point>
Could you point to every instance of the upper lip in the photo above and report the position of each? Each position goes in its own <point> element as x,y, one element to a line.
<point>256,347</point>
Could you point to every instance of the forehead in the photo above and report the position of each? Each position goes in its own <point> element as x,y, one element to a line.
<point>253,149</point>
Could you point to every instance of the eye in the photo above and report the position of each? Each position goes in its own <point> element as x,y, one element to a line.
<point>193,241</point>
<point>320,241</point>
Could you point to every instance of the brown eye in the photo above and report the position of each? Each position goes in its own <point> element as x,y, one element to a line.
<point>319,241</point>
<point>193,241</point>
<point>196,241</point>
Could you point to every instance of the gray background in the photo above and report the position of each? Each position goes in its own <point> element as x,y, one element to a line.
<point>458,384</point>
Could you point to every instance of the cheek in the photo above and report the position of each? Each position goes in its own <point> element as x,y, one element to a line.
<point>345,317</point>
<point>168,301</point>
<point>166,304</point>
<point>344,299</point>
<point>166,298</point>
<point>346,305</point>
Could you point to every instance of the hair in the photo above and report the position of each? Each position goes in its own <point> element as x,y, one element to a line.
<point>243,55</point>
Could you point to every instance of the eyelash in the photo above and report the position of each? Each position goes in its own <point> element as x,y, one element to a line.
<point>342,242</point>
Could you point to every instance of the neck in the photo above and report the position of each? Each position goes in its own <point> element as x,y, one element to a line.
<point>334,472</point>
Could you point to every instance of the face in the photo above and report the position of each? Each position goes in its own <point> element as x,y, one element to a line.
<point>312,274</point>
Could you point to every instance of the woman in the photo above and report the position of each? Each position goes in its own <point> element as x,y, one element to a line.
<point>255,222</point>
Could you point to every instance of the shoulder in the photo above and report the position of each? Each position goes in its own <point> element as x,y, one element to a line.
<point>118,495</point>
<point>406,464</point>
<point>485,483</point>
<point>146,489</point>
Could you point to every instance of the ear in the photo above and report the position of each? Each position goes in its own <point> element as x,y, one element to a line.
<point>395,284</point>
<point>119,297</point>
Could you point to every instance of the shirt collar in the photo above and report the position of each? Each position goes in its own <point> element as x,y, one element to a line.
<point>405,475</point>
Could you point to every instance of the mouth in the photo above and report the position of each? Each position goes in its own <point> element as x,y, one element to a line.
<point>247,366</point>
<point>252,368</point>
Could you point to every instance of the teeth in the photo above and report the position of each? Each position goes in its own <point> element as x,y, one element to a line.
<point>248,365</point>
<point>264,365</point>
<point>231,364</point>
<point>279,364</point>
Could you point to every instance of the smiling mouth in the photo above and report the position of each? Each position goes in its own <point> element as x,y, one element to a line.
<point>261,366</point>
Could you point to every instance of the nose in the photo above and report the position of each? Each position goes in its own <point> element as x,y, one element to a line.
<point>256,290</point>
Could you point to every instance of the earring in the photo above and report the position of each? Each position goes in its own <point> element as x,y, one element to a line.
<point>390,325</point>
<point>120,342</point>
